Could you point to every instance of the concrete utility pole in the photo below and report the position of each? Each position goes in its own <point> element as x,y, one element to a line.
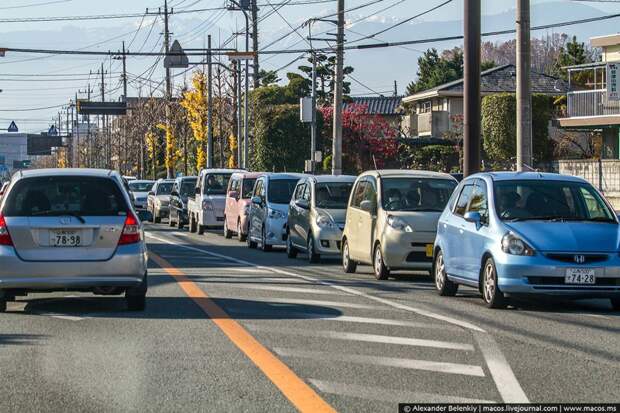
<point>107,150</point>
<point>339,79</point>
<point>125,140</point>
<point>209,105</point>
<point>256,77</point>
<point>471,124</point>
<point>76,127</point>
<point>524,91</point>
<point>313,123</point>
<point>168,97</point>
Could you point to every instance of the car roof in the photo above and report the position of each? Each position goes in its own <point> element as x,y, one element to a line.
<point>247,174</point>
<point>408,173</point>
<point>142,181</point>
<point>220,171</point>
<point>533,176</point>
<point>160,180</point>
<point>332,178</point>
<point>183,178</point>
<point>284,175</point>
<point>102,173</point>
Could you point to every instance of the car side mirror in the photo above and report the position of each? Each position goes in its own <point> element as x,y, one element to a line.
<point>257,200</point>
<point>473,217</point>
<point>303,203</point>
<point>151,193</point>
<point>368,206</point>
<point>233,194</point>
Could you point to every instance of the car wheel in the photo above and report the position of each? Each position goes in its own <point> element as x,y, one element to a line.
<point>615,303</point>
<point>192,224</point>
<point>491,294</point>
<point>156,217</point>
<point>180,224</point>
<point>240,235</point>
<point>444,286</point>
<point>227,233</point>
<point>251,244</point>
<point>347,263</point>
<point>2,305</point>
<point>200,228</point>
<point>263,241</point>
<point>381,271</point>
<point>291,251</point>
<point>313,257</point>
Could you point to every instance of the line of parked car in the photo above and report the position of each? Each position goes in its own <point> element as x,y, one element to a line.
<point>506,234</point>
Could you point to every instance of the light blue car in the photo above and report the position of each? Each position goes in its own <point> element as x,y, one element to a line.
<point>511,234</point>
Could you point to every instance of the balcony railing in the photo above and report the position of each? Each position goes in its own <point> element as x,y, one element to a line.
<point>591,103</point>
<point>434,123</point>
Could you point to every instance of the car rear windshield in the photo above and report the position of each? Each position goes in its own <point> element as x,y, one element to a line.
<point>140,186</point>
<point>164,188</point>
<point>332,195</point>
<point>416,194</point>
<point>248,187</point>
<point>522,200</point>
<point>216,184</point>
<point>281,190</point>
<point>65,195</point>
<point>188,187</point>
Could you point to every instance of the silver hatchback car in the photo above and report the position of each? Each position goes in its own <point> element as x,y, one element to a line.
<point>71,230</point>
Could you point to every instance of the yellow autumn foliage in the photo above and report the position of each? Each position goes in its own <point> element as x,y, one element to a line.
<point>195,101</point>
<point>232,144</point>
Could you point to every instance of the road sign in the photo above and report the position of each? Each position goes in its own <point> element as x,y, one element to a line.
<point>176,57</point>
<point>613,81</point>
<point>240,55</point>
<point>12,127</point>
<point>52,131</point>
<point>101,108</point>
<point>305,109</point>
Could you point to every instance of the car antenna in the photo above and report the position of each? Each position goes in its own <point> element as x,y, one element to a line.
<point>374,160</point>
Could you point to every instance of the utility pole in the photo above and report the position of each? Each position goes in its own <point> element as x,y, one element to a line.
<point>125,140</point>
<point>209,105</point>
<point>220,114</point>
<point>107,150</point>
<point>76,127</point>
<point>339,79</point>
<point>255,43</point>
<point>313,123</point>
<point>237,98</point>
<point>524,91</point>
<point>472,112</point>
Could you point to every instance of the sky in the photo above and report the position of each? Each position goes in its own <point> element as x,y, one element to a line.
<point>32,81</point>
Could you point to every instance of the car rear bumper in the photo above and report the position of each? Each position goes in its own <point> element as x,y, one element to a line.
<point>125,269</point>
<point>539,275</point>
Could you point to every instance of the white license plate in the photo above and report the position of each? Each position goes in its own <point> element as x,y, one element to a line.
<point>580,276</point>
<point>65,238</point>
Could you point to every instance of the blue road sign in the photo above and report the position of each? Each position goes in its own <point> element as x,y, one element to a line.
<point>13,127</point>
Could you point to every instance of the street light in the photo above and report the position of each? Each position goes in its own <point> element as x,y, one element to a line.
<point>245,97</point>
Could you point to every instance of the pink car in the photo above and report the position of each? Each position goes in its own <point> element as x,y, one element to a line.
<point>237,207</point>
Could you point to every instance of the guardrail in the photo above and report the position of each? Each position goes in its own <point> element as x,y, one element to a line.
<point>591,103</point>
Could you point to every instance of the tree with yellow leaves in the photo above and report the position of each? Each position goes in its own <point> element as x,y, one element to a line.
<point>150,139</point>
<point>196,102</point>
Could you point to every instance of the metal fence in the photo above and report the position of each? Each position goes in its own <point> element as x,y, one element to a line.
<point>604,174</point>
<point>591,103</point>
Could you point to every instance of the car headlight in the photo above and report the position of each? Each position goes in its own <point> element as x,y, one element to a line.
<point>207,205</point>
<point>513,245</point>
<point>275,214</point>
<point>398,224</point>
<point>323,221</point>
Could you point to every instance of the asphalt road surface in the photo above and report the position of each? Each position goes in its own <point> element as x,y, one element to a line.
<point>232,329</point>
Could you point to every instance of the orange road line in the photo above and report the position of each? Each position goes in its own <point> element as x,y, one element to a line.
<point>300,394</point>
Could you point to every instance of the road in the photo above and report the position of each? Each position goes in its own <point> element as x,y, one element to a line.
<point>232,329</point>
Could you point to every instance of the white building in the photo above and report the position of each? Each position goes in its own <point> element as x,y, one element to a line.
<point>13,148</point>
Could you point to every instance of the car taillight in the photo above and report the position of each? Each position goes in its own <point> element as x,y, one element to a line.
<point>131,231</point>
<point>5,237</point>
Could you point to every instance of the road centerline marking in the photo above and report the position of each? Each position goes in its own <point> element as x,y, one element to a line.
<point>298,392</point>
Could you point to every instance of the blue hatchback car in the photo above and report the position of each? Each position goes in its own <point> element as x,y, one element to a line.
<point>510,233</point>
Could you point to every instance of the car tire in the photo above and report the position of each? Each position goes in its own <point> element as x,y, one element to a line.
<point>240,235</point>
<point>444,286</point>
<point>378,265</point>
<point>180,224</point>
<point>348,264</point>
<point>3,305</point>
<point>251,244</point>
<point>156,217</point>
<point>192,225</point>
<point>615,303</point>
<point>200,228</point>
<point>227,233</point>
<point>291,251</point>
<point>491,294</point>
<point>313,257</point>
<point>263,242</point>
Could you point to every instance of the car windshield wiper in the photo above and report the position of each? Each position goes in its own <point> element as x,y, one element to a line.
<point>560,219</point>
<point>51,213</point>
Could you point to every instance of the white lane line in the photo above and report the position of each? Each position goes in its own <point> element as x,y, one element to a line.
<point>250,286</point>
<point>369,338</point>
<point>63,316</point>
<point>434,366</point>
<point>464,324</point>
<point>387,395</point>
<point>505,380</point>
<point>323,303</point>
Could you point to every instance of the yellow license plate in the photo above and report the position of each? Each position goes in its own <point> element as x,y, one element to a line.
<point>429,250</point>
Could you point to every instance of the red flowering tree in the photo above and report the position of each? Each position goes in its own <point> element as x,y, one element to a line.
<point>367,139</point>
